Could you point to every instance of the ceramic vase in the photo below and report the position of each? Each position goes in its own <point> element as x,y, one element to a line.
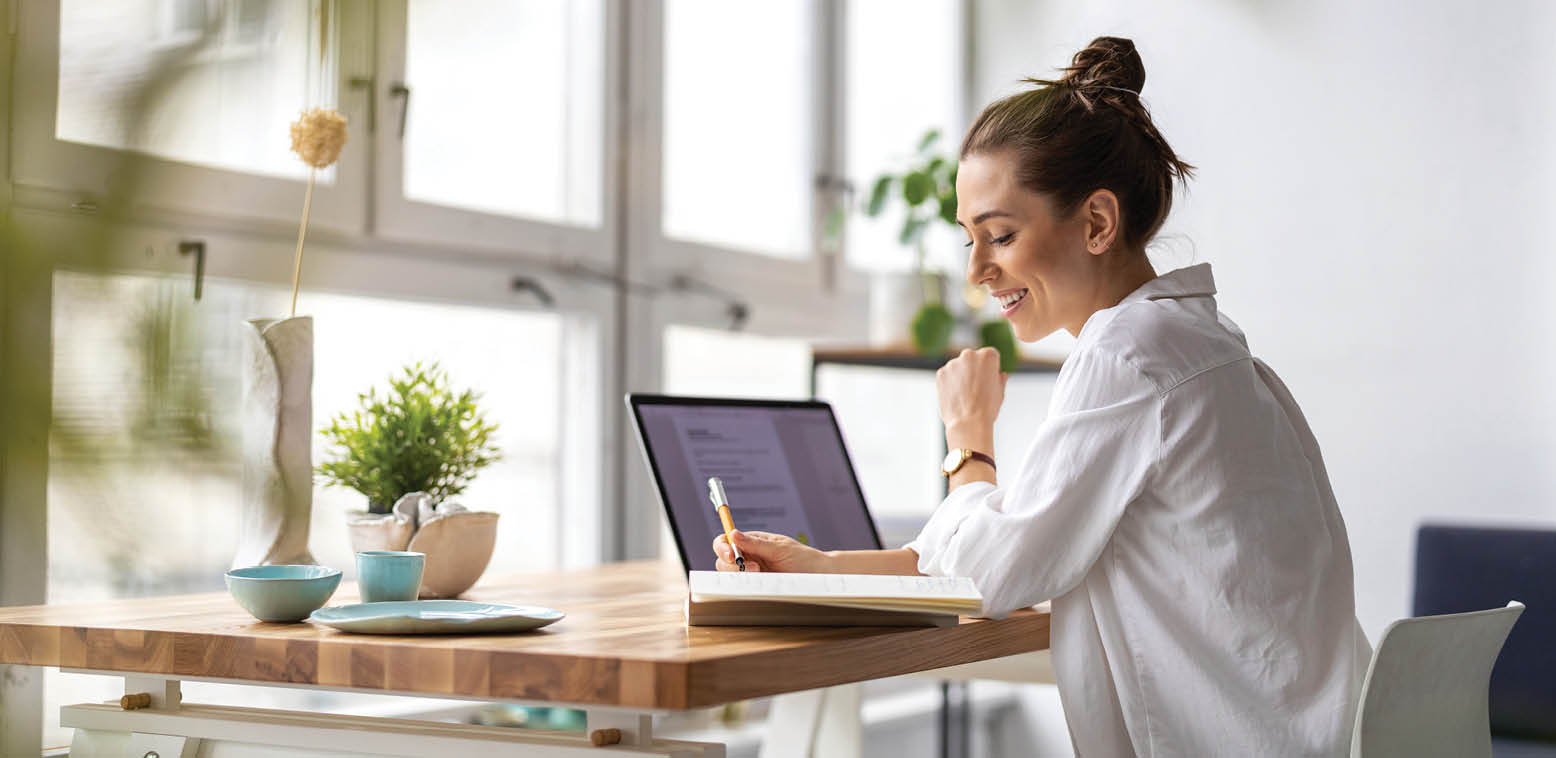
<point>895,299</point>
<point>458,542</point>
<point>277,458</point>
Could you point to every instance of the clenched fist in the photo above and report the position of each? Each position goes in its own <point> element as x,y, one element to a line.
<point>971,389</point>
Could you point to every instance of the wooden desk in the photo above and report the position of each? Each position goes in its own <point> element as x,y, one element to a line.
<point>623,650</point>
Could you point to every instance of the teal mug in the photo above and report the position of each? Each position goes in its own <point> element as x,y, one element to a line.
<point>384,575</point>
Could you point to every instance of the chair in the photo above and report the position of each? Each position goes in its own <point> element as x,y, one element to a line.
<point>1425,691</point>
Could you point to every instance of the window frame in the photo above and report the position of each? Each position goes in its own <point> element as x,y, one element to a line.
<point>813,284</point>
<point>367,271</point>
<point>397,217</point>
<point>66,175</point>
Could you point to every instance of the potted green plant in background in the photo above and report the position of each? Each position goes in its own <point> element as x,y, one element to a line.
<point>927,188</point>
<point>408,451</point>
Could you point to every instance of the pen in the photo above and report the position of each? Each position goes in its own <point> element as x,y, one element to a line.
<point>721,506</point>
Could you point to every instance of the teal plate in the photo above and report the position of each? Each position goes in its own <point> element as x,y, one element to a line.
<point>435,617</point>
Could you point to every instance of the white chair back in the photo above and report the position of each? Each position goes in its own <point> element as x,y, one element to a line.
<point>1425,691</point>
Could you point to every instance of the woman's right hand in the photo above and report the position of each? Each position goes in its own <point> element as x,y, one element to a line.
<point>765,551</point>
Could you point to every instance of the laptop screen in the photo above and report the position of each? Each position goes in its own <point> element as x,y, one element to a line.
<point>784,468</point>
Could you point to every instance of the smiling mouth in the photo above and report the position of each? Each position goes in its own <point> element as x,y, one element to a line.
<point>1012,301</point>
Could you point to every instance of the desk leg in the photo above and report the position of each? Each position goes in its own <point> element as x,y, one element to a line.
<point>822,722</point>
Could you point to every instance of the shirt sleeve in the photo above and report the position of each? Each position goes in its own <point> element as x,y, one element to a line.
<point>1036,537</point>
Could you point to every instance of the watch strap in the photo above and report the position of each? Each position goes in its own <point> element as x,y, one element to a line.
<point>974,455</point>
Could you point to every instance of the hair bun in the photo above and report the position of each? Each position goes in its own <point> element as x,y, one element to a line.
<point>1107,62</point>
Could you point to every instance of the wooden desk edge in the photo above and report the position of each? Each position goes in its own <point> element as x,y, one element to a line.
<point>617,681</point>
<point>714,682</point>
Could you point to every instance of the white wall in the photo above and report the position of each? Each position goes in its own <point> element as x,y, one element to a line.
<point>1376,195</point>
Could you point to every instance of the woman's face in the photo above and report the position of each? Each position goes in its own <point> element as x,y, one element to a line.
<point>1034,263</point>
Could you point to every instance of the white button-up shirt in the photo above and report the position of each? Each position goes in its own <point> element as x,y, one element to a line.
<point>1176,510</point>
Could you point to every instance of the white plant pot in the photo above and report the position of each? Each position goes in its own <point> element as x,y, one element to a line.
<point>383,531</point>
<point>277,458</point>
<point>458,543</point>
<point>895,298</point>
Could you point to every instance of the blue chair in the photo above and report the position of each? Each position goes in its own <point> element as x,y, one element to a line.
<point>1460,569</point>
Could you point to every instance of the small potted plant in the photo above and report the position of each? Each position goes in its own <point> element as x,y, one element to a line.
<point>927,187</point>
<point>408,450</point>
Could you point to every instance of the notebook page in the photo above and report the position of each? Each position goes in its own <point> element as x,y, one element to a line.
<point>752,585</point>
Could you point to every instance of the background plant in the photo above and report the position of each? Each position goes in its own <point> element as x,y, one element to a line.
<point>927,187</point>
<point>419,436</point>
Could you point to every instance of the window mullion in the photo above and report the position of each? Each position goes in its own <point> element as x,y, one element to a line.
<point>632,518</point>
<point>830,189</point>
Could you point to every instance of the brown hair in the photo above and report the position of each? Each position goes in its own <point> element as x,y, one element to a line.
<point>1087,131</point>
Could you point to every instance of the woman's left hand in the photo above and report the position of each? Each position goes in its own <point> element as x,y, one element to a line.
<point>971,389</point>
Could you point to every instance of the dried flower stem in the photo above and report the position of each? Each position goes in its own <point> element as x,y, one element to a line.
<point>302,231</point>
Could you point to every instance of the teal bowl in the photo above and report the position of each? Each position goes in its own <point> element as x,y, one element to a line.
<point>282,593</point>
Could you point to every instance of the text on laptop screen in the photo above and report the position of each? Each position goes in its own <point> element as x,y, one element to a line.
<point>784,469</point>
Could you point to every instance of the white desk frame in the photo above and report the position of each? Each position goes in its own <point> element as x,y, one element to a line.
<point>822,722</point>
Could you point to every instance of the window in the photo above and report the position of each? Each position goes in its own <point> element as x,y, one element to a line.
<point>145,474</point>
<point>738,166</point>
<point>506,116</point>
<point>146,389</point>
<point>181,108</point>
<point>719,363</point>
<point>903,69</point>
<point>495,137</point>
<point>210,84</point>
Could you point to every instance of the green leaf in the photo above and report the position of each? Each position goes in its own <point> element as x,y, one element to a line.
<point>932,327</point>
<point>916,187</point>
<point>998,335</point>
<point>877,201</point>
<point>928,140</point>
<point>912,228</point>
<point>948,207</point>
<point>419,436</point>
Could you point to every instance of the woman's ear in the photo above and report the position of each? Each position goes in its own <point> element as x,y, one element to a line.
<point>1102,216</point>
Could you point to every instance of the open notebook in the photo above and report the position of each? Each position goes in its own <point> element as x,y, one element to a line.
<point>732,598</point>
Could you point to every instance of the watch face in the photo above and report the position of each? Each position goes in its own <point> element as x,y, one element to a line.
<point>953,459</point>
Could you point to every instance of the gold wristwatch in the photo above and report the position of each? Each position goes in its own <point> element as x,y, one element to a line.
<point>959,457</point>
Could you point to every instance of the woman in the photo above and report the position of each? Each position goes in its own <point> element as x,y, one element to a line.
<point>1174,505</point>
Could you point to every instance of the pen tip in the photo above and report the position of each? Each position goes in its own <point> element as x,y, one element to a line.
<point>741,562</point>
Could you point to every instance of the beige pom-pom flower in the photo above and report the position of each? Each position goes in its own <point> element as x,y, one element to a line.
<point>318,135</point>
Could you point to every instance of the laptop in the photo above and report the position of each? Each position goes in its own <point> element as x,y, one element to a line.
<point>783,463</point>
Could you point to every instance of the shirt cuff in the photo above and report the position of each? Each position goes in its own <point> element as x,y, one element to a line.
<point>936,534</point>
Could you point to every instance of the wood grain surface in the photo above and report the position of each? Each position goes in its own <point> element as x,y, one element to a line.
<point>624,643</point>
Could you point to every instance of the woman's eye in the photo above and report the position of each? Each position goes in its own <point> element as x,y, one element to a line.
<point>996,241</point>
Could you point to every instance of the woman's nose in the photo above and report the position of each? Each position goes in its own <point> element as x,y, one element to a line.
<point>979,268</point>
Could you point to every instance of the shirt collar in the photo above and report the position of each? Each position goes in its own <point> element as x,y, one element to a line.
<point>1193,281</point>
